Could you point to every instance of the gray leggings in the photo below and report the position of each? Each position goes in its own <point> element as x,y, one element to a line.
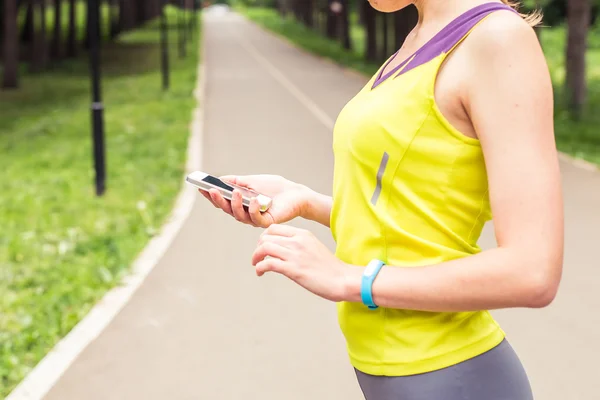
<point>494,375</point>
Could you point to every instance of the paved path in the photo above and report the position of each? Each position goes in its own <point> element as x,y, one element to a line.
<point>203,326</point>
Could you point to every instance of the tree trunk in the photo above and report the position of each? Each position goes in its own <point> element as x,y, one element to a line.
<point>87,33</point>
<point>26,33</point>
<point>370,16</point>
<point>39,59</point>
<point>287,7</point>
<point>405,21</point>
<point>43,36</point>
<point>386,35</point>
<point>11,45</point>
<point>115,27</point>
<point>57,38</point>
<point>320,16</point>
<point>578,18</point>
<point>361,15</point>
<point>72,32</point>
<point>332,21</point>
<point>307,13</point>
<point>153,10</point>
<point>281,7</point>
<point>141,11</point>
<point>316,16</point>
<point>2,20</point>
<point>128,15</point>
<point>345,25</point>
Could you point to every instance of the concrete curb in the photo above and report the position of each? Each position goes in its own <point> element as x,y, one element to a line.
<point>51,368</point>
<point>578,162</point>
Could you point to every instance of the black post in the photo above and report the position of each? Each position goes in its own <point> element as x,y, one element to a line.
<point>97,107</point>
<point>164,44</point>
<point>181,28</point>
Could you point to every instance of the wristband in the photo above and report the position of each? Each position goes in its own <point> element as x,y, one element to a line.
<point>366,286</point>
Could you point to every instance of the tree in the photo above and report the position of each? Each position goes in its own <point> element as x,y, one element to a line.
<point>370,15</point>
<point>115,28</point>
<point>127,15</point>
<point>72,32</point>
<point>57,38</point>
<point>11,45</point>
<point>27,32</point>
<point>385,36</point>
<point>43,35</point>
<point>332,20</point>
<point>1,20</point>
<point>345,25</point>
<point>283,7</point>
<point>578,19</point>
<point>305,11</point>
<point>39,57</point>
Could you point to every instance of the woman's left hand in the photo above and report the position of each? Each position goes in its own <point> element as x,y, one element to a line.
<point>300,256</point>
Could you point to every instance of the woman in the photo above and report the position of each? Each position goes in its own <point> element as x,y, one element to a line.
<point>459,122</point>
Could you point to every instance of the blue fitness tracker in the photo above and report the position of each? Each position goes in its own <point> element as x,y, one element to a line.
<point>366,285</point>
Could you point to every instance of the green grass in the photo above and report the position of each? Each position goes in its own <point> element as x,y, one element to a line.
<point>579,138</point>
<point>309,39</point>
<point>61,248</point>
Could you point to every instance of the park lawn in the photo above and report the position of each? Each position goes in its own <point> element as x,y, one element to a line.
<point>580,138</point>
<point>62,248</point>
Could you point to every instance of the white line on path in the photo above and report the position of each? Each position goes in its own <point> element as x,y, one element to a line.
<point>286,83</point>
<point>48,371</point>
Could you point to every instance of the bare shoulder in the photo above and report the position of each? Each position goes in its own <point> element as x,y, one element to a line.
<point>504,34</point>
<point>509,89</point>
<point>505,55</point>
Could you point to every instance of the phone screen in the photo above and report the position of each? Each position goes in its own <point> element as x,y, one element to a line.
<point>227,186</point>
<point>217,182</point>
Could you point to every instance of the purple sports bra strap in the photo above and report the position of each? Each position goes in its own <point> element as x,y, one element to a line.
<point>446,39</point>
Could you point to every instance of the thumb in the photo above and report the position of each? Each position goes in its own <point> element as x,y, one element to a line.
<point>229,179</point>
<point>236,180</point>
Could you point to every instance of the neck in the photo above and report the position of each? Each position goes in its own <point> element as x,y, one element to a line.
<point>434,12</point>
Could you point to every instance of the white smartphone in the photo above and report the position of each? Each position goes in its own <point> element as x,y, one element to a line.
<point>206,182</point>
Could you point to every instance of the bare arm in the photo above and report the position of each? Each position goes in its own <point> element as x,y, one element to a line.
<point>509,101</point>
<point>317,208</point>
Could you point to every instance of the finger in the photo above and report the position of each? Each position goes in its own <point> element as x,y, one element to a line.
<point>283,241</point>
<point>272,265</point>
<point>235,179</point>
<point>206,195</point>
<point>258,218</point>
<point>284,230</point>
<point>229,179</point>
<point>238,208</point>
<point>221,202</point>
<point>270,249</point>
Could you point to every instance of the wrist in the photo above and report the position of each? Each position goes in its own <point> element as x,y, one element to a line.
<point>309,198</point>
<point>351,281</point>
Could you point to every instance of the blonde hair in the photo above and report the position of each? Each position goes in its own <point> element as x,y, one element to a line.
<point>533,19</point>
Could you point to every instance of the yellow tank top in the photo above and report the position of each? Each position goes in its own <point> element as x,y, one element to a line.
<point>410,190</point>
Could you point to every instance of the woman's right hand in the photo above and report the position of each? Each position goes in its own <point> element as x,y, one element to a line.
<point>289,199</point>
